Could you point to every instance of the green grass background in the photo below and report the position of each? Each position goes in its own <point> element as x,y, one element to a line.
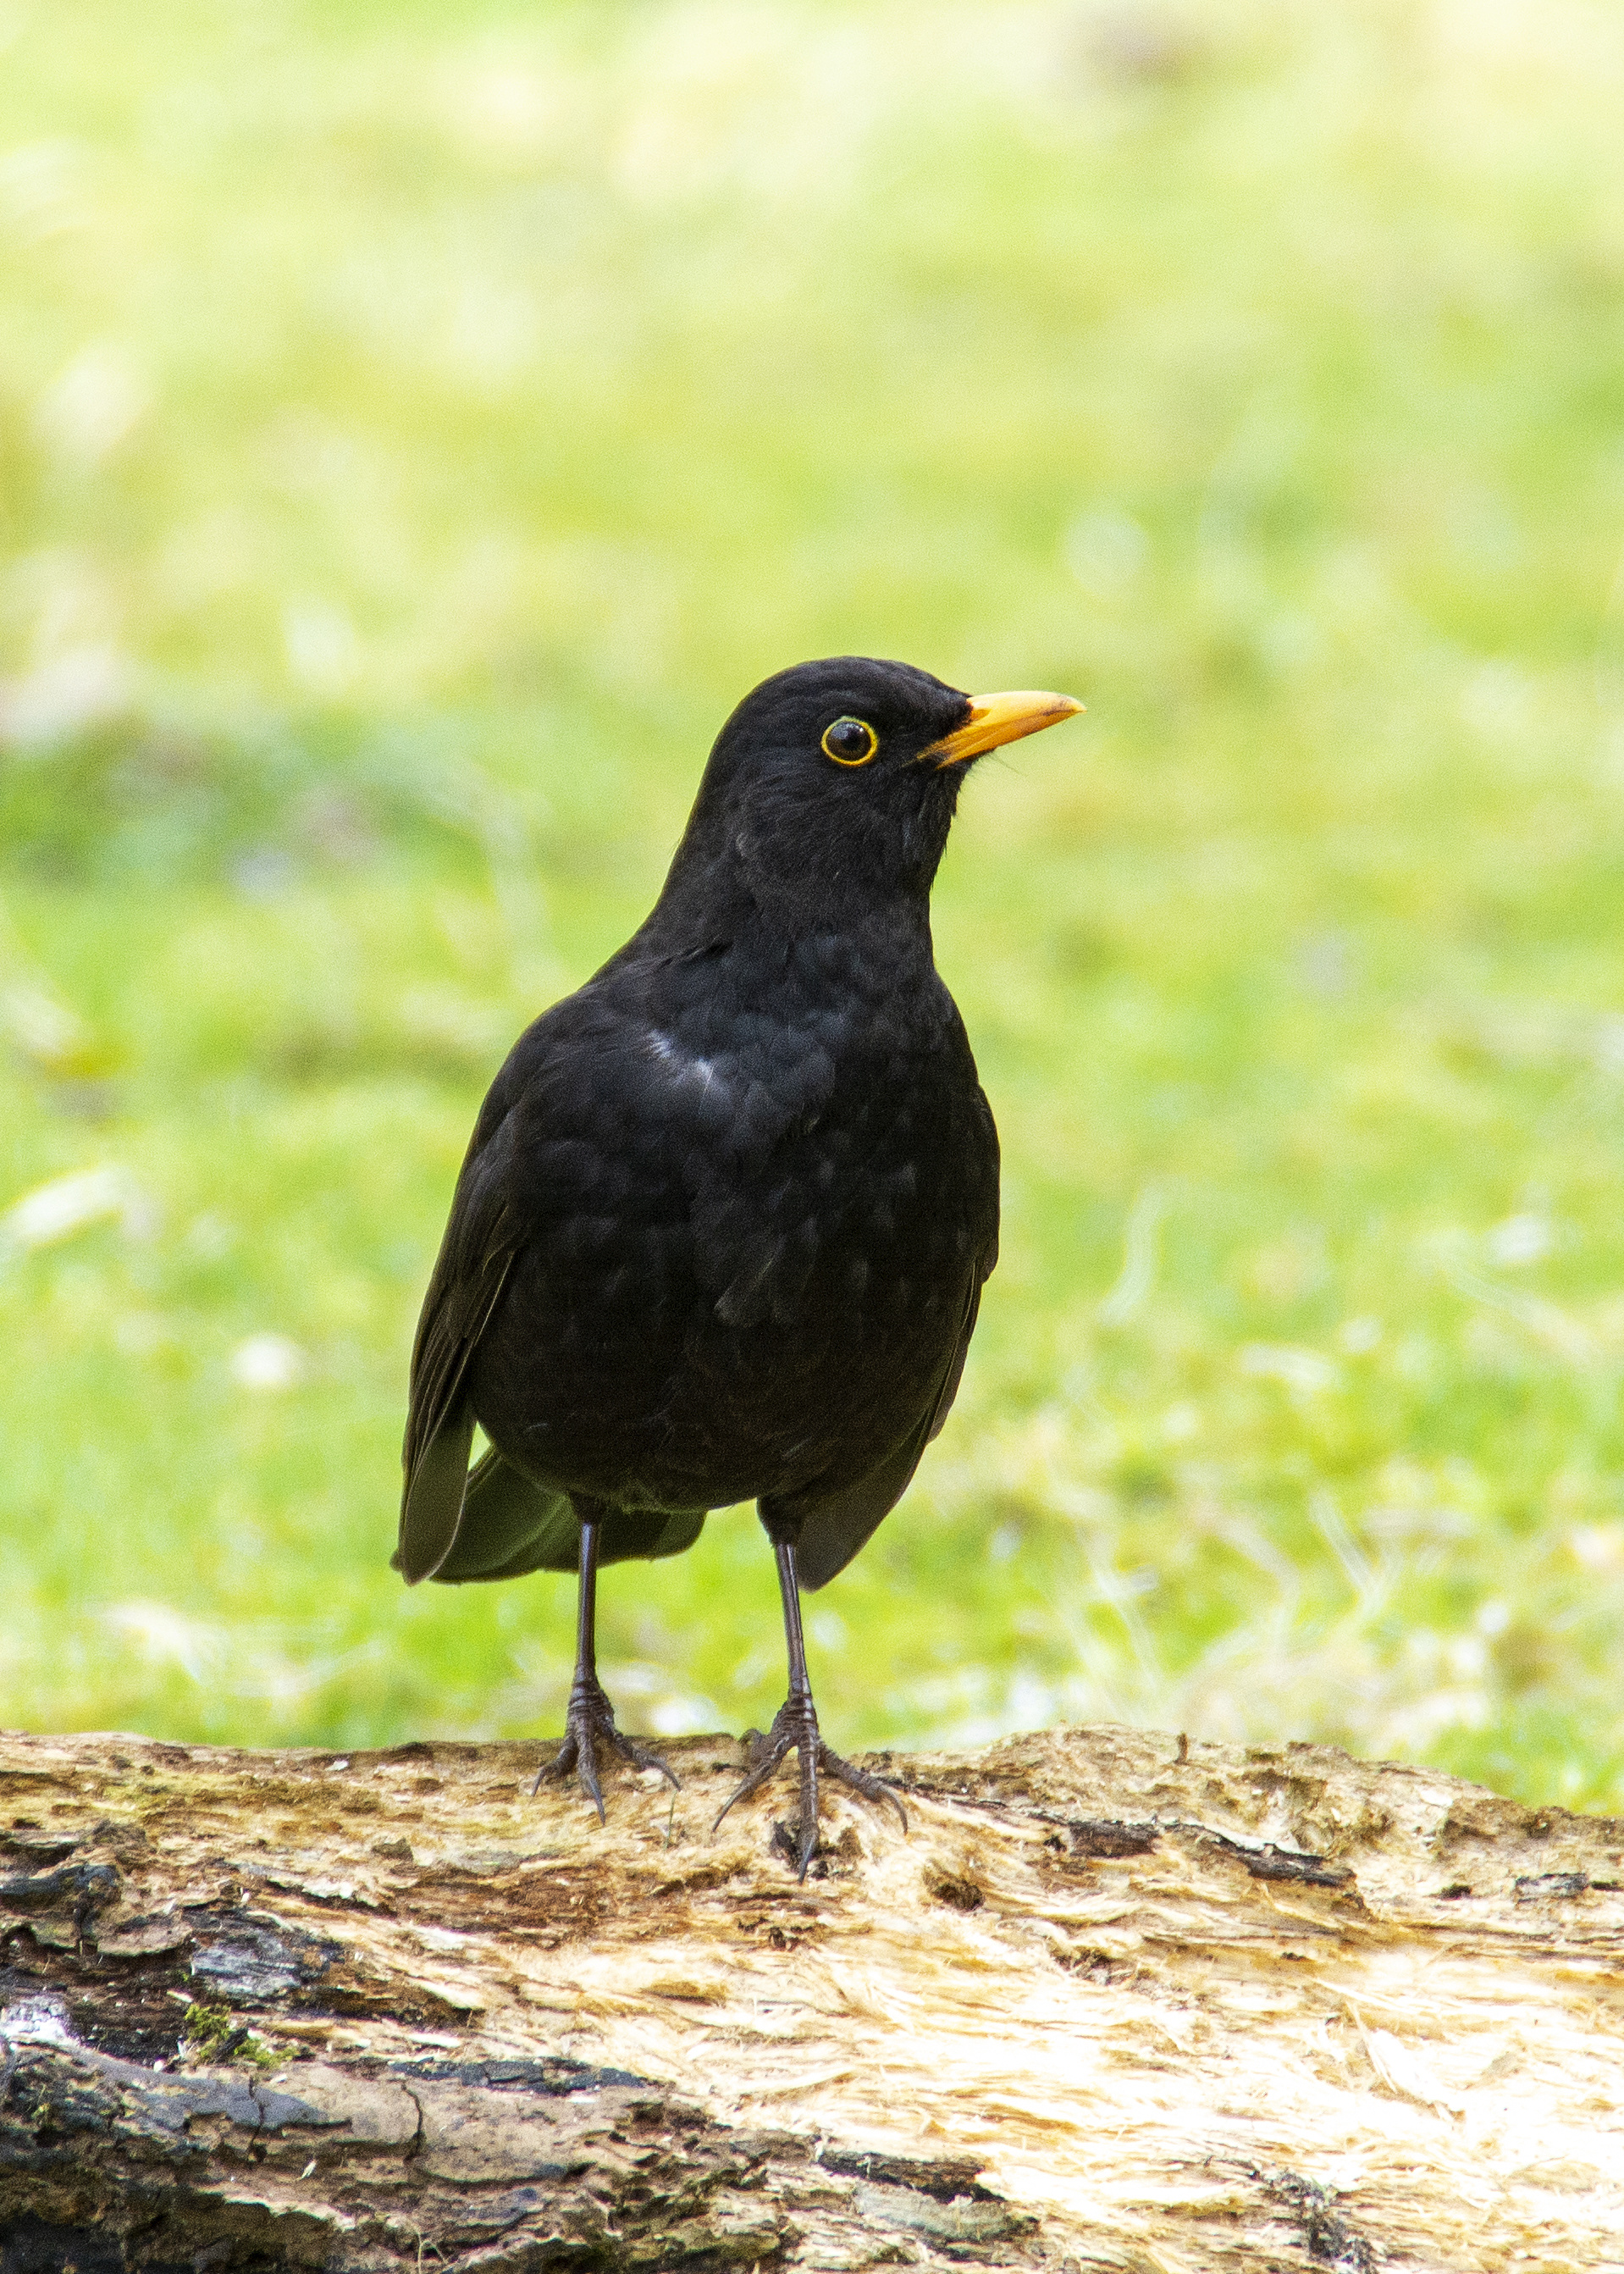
<point>419,425</point>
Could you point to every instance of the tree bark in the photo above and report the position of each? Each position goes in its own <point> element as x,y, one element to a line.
<point>1112,2001</point>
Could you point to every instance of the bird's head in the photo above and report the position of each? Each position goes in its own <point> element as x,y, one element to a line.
<point>839,779</point>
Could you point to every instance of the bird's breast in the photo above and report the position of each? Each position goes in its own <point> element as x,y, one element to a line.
<point>752,1235</point>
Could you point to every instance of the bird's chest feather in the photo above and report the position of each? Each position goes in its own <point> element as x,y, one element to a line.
<point>831,1146</point>
<point>764,1209</point>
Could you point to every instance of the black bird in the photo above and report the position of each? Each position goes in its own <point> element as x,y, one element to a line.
<point>724,1220</point>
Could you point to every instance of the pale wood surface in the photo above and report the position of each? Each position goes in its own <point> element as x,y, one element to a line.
<point>1099,2007</point>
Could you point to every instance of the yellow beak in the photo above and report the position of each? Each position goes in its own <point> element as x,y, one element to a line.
<point>996,719</point>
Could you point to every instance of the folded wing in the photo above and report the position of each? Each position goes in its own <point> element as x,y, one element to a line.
<point>475,1259</point>
<point>836,1526</point>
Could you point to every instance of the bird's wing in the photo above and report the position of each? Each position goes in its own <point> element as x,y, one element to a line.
<point>575,1088</point>
<point>475,1258</point>
<point>837,1527</point>
<point>510,1526</point>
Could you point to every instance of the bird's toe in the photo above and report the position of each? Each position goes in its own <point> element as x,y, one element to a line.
<point>862,1781</point>
<point>644,1757</point>
<point>560,1765</point>
<point>808,1847</point>
<point>795,1729</point>
<point>588,1724</point>
<point>765,1755</point>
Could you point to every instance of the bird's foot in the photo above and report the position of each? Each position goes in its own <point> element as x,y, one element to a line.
<point>794,1727</point>
<point>589,1723</point>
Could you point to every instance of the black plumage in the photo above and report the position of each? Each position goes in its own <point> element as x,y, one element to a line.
<point>723,1223</point>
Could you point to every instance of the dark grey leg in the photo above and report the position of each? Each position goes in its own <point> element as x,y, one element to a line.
<point>590,1720</point>
<point>794,1726</point>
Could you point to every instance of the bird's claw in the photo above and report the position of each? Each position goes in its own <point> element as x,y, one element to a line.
<point>589,1723</point>
<point>795,1729</point>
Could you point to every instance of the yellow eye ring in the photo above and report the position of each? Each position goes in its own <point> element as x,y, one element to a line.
<point>850,742</point>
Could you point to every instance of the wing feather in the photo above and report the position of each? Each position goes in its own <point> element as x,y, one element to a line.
<point>836,1528</point>
<point>475,1258</point>
<point>510,1525</point>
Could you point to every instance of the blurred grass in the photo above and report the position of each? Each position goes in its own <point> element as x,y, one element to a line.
<point>417,426</point>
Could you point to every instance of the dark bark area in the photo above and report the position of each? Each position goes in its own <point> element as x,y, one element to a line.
<point>487,2164</point>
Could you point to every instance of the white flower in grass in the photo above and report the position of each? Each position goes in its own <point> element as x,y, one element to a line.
<point>165,1636</point>
<point>679,1715</point>
<point>269,1362</point>
<point>1297,1368</point>
<point>68,1204</point>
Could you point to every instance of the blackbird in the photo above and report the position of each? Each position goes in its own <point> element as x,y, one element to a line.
<point>724,1220</point>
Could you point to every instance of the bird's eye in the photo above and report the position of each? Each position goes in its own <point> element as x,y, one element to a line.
<point>850,742</point>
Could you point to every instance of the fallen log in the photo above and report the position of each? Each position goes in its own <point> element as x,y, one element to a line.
<point>1112,2001</point>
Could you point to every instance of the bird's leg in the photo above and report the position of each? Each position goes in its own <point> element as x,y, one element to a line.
<point>590,1720</point>
<point>795,1725</point>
